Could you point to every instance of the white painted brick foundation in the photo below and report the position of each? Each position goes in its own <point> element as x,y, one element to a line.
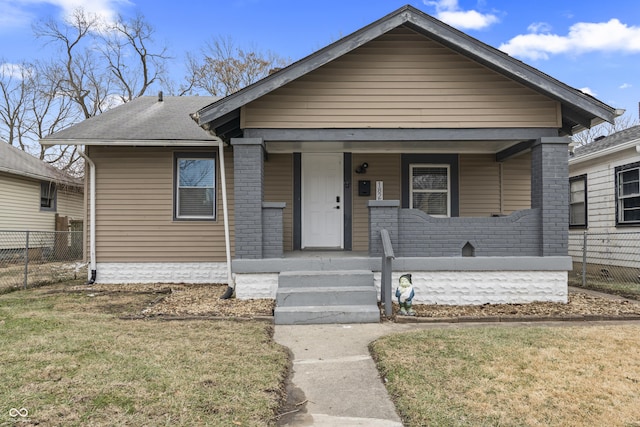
<point>250,286</point>
<point>161,272</point>
<point>481,287</point>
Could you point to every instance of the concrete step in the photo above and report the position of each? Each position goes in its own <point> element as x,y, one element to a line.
<point>311,315</point>
<point>326,296</point>
<point>289,279</point>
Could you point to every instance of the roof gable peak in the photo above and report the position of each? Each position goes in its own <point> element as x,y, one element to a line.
<point>582,111</point>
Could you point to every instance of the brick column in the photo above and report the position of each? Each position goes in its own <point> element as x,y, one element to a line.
<point>382,214</point>
<point>272,245</point>
<point>550,193</point>
<point>248,175</point>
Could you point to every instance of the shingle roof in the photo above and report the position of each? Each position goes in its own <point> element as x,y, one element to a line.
<point>143,119</point>
<point>621,137</point>
<point>17,162</point>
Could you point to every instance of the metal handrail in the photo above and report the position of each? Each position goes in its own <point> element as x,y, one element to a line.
<point>385,285</point>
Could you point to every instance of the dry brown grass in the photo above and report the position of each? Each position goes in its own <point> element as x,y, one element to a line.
<point>518,376</point>
<point>70,361</point>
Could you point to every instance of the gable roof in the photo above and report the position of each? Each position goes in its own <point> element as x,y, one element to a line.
<point>146,120</point>
<point>16,162</point>
<point>579,110</point>
<point>618,141</point>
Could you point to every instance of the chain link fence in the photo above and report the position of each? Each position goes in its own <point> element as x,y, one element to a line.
<point>606,261</point>
<point>34,258</point>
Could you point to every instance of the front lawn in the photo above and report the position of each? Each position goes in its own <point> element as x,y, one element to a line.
<point>514,376</point>
<point>68,360</point>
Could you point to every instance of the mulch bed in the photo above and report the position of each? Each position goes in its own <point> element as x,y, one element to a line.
<point>183,301</point>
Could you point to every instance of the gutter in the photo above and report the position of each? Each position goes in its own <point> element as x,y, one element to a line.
<point>606,151</point>
<point>92,215</point>
<point>225,214</point>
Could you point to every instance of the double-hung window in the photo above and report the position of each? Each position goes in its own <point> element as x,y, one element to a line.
<point>195,186</point>
<point>48,193</point>
<point>628,194</point>
<point>430,189</point>
<point>578,201</point>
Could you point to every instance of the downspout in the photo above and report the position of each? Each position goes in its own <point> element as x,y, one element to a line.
<point>225,214</point>
<point>92,215</point>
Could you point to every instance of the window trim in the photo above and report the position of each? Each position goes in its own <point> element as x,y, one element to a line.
<point>53,200</point>
<point>446,159</point>
<point>586,214</point>
<point>618,211</point>
<point>412,166</point>
<point>194,155</point>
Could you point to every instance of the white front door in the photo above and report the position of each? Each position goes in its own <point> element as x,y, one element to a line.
<point>322,204</point>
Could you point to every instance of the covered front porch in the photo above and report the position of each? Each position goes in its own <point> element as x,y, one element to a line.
<point>499,256</point>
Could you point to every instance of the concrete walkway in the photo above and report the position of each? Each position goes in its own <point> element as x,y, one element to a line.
<point>336,379</point>
<point>333,368</point>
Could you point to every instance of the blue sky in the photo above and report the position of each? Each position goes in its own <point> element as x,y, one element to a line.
<point>592,45</point>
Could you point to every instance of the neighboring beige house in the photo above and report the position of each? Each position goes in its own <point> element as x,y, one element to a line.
<point>604,180</point>
<point>456,149</point>
<point>34,194</point>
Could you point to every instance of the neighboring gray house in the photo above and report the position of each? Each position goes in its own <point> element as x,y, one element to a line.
<point>33,193</point>
<point>408,125</point>
<point>604,178</point>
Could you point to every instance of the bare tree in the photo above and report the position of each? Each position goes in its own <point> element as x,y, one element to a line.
<point>14,90</point>
<point>82,78</point>
<point>134,69</point>
<point>47,112</point>
<point>605,129</point>
<point>225,68</point>
<point>97,65</point>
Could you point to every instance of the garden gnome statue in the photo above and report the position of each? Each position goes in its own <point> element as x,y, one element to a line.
<point>405,294</point>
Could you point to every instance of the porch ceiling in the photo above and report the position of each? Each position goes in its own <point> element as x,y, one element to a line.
<point>468,147</point>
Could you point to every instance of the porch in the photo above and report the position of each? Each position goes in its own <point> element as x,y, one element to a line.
<point>505,258</point>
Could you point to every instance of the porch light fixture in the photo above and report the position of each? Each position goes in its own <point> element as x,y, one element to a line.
<point>362,168</point>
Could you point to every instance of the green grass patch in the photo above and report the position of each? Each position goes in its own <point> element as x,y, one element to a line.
<point>70,361</point>
<point>514,376</point>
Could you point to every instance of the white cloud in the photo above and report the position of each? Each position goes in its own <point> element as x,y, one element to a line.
<point>611,36</point>
<point>588,91</point>
<point>449,11</point>
<point>18,13</point>
<point>15,71</point>
<point>539,27</point>
<point>625,86</point>
<point>12,16</point>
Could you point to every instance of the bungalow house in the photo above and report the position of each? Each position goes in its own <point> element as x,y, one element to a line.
<point>407,125</point>
<point>604,178</point>
<point>36,196</point>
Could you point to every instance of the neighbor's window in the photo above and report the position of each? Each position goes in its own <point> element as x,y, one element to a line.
<point>578,201</point>
<point>628,194</point>
<point>195,184</point>
<point>48,195</point>
<point>430,186</point>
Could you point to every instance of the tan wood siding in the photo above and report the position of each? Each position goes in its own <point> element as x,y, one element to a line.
<point>278,187</point>
<point>20,205</point>
<point>516,183</point>
<point>382,167</point>
<point>134,209</point>
<point>402,79</point>
<point>479,185</point>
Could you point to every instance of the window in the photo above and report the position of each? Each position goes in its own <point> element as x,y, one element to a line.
<point>628,194</point>
<point>578,201</point>
<point>48,193</point>
<point>195,186</point>
<point>429,189</point>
